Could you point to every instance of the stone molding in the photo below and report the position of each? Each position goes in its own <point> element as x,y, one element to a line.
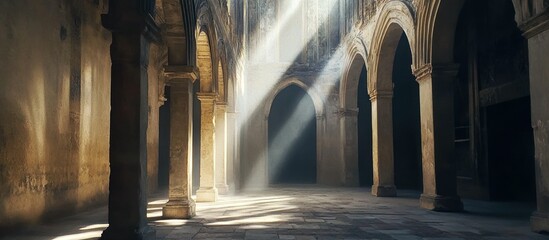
<point>376,94</point>
<point>344,112</point>
<point>179,74</point>
<point>536,25</point>
<point>424,72</point>
<point>206,97</point>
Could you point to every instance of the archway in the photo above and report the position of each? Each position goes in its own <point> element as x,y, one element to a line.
<point>292,140</point>
<point>364,149</point>
<point>406,120</point>
<point>356,122</point>
<point>494,138</point>
<point>395,22</point>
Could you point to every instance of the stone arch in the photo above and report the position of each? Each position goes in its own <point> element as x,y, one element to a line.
<point>205,62</point>
<point>395,19</point>
<point>317,100</point>
<point>319,111</point>
<point>353,66</point>
<point>348,99</point>
<point>221,83</point>
<point>436,28</point>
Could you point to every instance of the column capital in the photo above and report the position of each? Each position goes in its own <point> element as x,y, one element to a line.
<point>442,70</point>
<point>206,96</point>
<point>180,74</point>
<point>221,104</point>
<point>379,94</point>
<point>129,22</point>
<point>345,112</point>
<point>535,25</point>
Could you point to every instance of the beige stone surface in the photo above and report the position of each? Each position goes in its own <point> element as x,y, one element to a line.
<point>55,101</point>
<point>207,191</point>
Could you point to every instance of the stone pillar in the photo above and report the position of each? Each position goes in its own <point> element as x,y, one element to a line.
<point>132,30</point>
<point>180,204</point>
<point>221,148</point>
<point>436,90</point>
<point>382,144</point>
<point>207,192</point>
<point>232,148</point>
<point>349,145</point>
<point>536,30</point>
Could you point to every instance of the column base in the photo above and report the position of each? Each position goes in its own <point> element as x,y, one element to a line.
<point>206,195</point>
<point>222,189</point>
<point>384,191</point>
<point>179,210</point>
<point>145,233</point>
<point>540,222</point>
<point>441,203</point>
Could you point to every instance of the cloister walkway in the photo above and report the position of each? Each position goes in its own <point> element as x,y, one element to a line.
<point>310,212</point>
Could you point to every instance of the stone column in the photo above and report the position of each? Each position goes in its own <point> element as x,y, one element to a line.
<point>221,148</point>
<point>436,90</point>
<point>232,148</point>
<point>536,30</point>
<point>132,30</point>
<point>180,204</point>
<point>382,144</point>
<point>349,145</point>
<point>207,192</point>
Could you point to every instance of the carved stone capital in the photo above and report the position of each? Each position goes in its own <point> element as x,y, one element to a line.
<point>132,23</point>
<point>206,97</point>
<point>536,25</point>
<point>343,112</point>
<point>378,94</point>
<point>438,71</point>
<point>179,74</point>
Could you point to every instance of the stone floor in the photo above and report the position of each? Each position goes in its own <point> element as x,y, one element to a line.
<point>312,213</point>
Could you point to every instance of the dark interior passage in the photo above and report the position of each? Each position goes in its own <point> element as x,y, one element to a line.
<point>364,132</point>
<point>406,120</point>
<point>164,142</point>
<point>494,139</point>
<point>292,138</point>
<point>511,151</point>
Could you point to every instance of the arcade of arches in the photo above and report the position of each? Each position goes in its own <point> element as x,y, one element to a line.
<point>119,102</point>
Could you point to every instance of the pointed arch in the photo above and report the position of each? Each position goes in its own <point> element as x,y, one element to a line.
<point>395,19</point>
<point>204,62</point>
<point>357,58</point>
<point>317,100</point>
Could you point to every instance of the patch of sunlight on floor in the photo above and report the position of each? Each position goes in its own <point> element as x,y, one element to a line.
<point>159,202</point>
<point>94,226</point>
<point>242,220</point>
<point>171,222</point>
<point>155,214</point>
<point>80,236</point>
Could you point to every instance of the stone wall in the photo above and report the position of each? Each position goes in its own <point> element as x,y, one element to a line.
<point>55,96</point>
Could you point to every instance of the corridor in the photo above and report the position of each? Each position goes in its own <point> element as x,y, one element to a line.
<point>310,212</point>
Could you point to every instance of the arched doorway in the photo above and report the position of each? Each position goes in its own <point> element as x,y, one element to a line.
<point>406,120</point>
<point>364,131</point>
<point>292,138</point>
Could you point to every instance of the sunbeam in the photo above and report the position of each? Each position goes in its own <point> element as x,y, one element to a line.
<point>254,101</point>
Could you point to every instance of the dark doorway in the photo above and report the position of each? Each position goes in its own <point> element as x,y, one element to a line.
<point>292,138</point>
<point>406,120</point>
<point>511,151</point>
<point>494,137</point>
<point>164,142</point>
<point>365,165</point>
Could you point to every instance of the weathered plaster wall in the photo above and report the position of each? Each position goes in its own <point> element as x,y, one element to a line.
<point>55,101</point>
